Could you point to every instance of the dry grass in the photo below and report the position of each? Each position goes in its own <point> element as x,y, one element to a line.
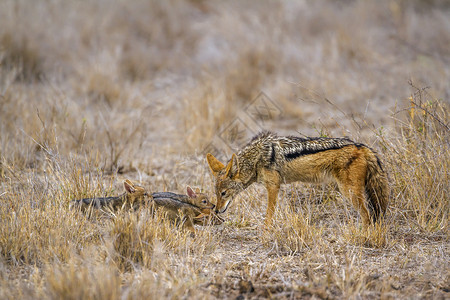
<point>92,93</point>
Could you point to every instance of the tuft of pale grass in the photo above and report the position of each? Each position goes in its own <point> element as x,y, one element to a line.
<point>373,236</point>
<point>82,281</point>
<point>418,160</point>
<point>132,241</point>
<point>133,237</point>
<point>291,232</point>
<point>37,226</point>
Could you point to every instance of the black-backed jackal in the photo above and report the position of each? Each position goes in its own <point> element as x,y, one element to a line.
<point>272,160</point>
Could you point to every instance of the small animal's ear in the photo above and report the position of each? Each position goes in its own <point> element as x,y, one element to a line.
<point>214,164</point>
<point>129,186</point>
<point>232,169</point>
<point>197,191</point>
<point>190,192</point>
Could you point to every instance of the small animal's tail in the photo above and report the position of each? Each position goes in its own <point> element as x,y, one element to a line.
<point>93,202</point>
<point>377,188</point>
<point>74,204</point>
<point>82,203</point>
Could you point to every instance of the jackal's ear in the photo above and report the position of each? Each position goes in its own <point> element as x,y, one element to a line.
<point>214,164</point>
<point>232,169</point>
<point>190,192</point>
<point>129,186</point>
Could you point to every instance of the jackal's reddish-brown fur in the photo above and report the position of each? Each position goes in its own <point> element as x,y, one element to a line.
<point>272,160</point>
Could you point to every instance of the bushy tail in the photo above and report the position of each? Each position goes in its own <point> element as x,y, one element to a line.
<point>377,188</point>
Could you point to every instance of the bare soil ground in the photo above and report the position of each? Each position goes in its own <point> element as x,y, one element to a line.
<point>92,93</point>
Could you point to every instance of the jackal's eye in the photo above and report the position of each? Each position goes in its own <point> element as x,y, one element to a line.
<point>223,193</point>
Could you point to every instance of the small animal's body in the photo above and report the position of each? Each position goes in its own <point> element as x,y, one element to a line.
<point>273,160</point>
<point>133,197</point>
<point>195,198</point>
<point>190,209</point>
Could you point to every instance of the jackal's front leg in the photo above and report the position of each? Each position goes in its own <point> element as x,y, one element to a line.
<point>271,180</point>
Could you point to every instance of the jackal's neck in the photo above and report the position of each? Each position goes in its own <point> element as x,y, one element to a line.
<point>250,158</point>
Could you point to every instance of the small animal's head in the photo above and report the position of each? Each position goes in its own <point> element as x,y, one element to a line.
<point>134,192</point>
<point>199,199</point>
<point>227,181</point>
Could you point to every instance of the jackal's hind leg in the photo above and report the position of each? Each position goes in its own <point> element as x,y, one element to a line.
<point>359,202</point>
<point>354,191</point>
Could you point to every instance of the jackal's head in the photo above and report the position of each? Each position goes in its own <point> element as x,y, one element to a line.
<point>135,193</point>
<point>199,199</point>
<point>227,181</point>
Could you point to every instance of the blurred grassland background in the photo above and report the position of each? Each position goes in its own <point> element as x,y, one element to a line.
<point>92,92</point>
